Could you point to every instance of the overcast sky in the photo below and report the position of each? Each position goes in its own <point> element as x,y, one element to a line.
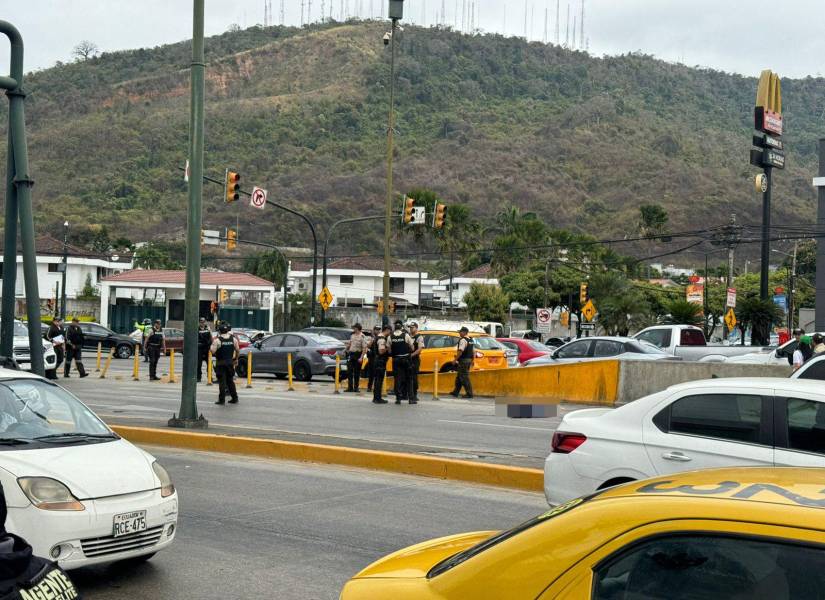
<point>731,35</point>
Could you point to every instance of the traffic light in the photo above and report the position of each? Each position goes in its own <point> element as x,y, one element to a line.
<point>231,240</point>
<point>583,294</point>
<point>380,307</point>
<point>407,217</point>
<point>231,187</point>
<point>438,216</point>
<point>224,296</point>
<point>392,307</point>
<point>565,319</point>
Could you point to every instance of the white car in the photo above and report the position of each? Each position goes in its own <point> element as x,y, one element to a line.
<point>696,425</point>
<point>768,356</point>
<point>814,368</point>
<point>602,348</point>
<point>22,352</point>
<point>79,493</point>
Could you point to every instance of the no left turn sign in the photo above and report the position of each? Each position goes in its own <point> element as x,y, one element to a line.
<point>258,198</point>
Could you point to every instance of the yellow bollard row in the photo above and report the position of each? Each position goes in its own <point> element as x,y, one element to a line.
<point>337,374</point>
<point>435,381</point>
<point>99,354</point>
<point>108,362</point>
<point>172,366</point>
<point>249,370</point>
<point>136,365</point>
<point>289,372</point>
<point>209,368</point>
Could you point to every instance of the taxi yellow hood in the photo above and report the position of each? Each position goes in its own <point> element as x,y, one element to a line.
<point>417,560</point>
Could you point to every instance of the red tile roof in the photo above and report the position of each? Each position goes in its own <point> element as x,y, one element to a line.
<point>358,263</point>
<point>482,272</point>
<point>208,278</point>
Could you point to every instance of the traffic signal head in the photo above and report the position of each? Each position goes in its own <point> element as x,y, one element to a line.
<point>231,239</point>
<point>407,216</point>
<point>380,307</point>
<point>583,294</point>
<point>224,296</point>
<point>232,186</point>
<point>438,216</point>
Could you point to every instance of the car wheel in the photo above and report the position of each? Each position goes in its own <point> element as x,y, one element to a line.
<point>241,368</point>
<point>302,372</point>
<point>124,351</point>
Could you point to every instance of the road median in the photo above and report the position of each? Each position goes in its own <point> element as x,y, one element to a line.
<point>518,478</point>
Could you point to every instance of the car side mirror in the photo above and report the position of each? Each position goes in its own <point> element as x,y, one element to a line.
<point>257,345</point>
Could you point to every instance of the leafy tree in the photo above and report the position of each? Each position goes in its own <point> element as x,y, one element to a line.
<point>758,315</point>
<point>653,219</point>
<point>85,50</point>
<point>621,306</point>
<point>88,292</point>
<point>269,265</point>
<point>527,287</point>
<point>682,312</point>
<point>299,307</point>
<point>487,303</point>
<point>155,256</point>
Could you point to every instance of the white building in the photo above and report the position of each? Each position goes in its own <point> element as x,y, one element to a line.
<point>82,264</point>
<point>461,285</point>
<point>359,281</point>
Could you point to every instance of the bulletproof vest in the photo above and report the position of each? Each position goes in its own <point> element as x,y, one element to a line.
<point>155,338</point>
<point>50,582</point>
<point>226,349</point>
<point>398,344</point>
<point>204,338</point>
<point>468,351</point>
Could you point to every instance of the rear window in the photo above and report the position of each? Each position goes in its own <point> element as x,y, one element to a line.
<point>538,346</point>
<point>465,555</point>
<point>692,337</point>
<point>640,347</point>
<point>487,343</point>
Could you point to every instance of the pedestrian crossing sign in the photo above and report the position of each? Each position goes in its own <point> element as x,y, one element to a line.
<point>325,298</point>
<point>730,319</point>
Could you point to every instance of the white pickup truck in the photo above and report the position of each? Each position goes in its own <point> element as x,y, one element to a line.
<point>689,343</point>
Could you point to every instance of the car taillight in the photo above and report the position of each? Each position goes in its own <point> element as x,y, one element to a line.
<point>479,354</point>
<point>328,352</point>
<point>565,443</point>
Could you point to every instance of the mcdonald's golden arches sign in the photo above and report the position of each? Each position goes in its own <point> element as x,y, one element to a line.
<point>768,113</point>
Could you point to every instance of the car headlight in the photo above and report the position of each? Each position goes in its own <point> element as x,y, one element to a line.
<point>49,494</point>
<point>167,488</point>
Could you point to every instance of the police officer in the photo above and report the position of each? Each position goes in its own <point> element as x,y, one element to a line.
<point>204,343</point>
<point>415,361</point>
<point>24,575</point>
<point>382,353</point>
<point>225,350</point>
<point>356,350</point>
<point>57,336</point>
<point>401,346</point>
<point>74,349</point>
<point>372,354</point>
<point>155,344</point>
<point>145,330</point>
<point>464,357</point>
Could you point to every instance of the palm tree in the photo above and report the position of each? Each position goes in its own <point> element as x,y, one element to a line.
<point>760,316</point>
<point>682,312</point>
<point>269,265</point>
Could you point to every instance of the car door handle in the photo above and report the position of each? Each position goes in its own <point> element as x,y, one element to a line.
<point>676,457</point>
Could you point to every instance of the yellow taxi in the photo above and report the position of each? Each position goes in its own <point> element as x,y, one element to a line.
<point>441,346</point>
<point>722,534</point>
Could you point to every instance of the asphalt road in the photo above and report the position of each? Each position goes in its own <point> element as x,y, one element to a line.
<point>253,528</point>
<point>448,427</point>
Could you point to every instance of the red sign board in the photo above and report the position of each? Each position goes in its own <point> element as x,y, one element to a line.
<point>768,121</point>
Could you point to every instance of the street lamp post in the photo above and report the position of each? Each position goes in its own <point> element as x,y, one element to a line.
<point>396,12</point>
<point>65,268</point>
<point>791,281</point>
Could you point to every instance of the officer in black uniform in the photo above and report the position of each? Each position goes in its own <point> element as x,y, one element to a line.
<point>379,370</point>
<point>415,361</point>
<point>225,350</point>
<point>401,346</point>
<point>155,344</point>
<point>372,354</point>
<point>23,575</point>
<point>74,349</point>
<point>464,357</point>
<point>204,343</point>
<point>56,331</point>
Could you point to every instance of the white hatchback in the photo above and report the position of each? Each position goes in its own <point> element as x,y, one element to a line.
<point>79,493</point>
<point>696,425</point>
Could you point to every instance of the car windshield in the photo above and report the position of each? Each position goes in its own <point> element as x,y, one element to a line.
<point>464,555</point>
<point>533,345</point>
<point>642,347</point>
<point>32,409</point>
<point>20,330</point>
<point>487,343</point>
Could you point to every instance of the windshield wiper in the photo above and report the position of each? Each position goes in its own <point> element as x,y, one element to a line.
<point>13,441</point>
<point>76,436</point>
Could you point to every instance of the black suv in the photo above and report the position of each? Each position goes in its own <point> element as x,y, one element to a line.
<point>94,333</point>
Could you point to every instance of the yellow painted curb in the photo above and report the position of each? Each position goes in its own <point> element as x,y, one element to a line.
<point>518,478</point>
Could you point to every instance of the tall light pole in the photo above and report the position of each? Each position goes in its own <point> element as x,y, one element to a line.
<point>396,12</point>
<point>65,268</point>
<point>791,281</point>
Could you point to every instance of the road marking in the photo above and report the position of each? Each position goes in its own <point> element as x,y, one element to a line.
<point>546,429</point>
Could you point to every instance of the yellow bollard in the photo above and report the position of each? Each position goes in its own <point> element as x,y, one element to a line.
<point>337,374</point>
<point>435,381</point>
<point>99,354</point>
<point>136,367</point>
<point>249,370</point>
<point>106,365</point>
<point>209,368</point>
<point>289,372</point>
<point>172,366</point>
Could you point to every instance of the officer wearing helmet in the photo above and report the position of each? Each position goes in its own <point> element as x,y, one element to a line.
<point>155,346</point>
<point>225,350</point>
<point>145,329</point>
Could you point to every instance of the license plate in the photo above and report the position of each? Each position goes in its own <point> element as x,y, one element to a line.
<point>131,522</point>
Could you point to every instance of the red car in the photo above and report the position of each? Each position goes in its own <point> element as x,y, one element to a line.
<point>527,349</point>
<point>243,339</point>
